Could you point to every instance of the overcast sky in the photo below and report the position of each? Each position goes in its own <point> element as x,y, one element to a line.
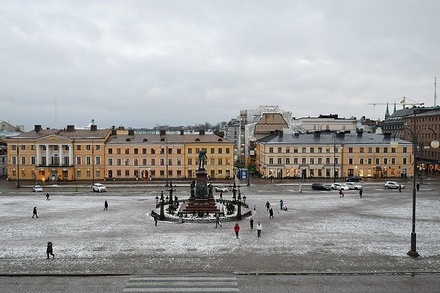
<point>143,63</point>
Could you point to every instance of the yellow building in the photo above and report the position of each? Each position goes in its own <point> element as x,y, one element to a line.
<point>330,155</point>
<point>57,155</point>
<point>114,154</point>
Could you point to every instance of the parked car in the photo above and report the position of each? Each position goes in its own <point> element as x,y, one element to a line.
<point>393,185</point>
<point>221,188</point>
<point>354,186</point>
<point>98,187</point>
<point>353,179</point>
<point>339,186</point>
<point>321,186</point>
<point>37,188</point>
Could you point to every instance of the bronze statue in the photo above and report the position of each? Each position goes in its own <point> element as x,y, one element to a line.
<point>202,158</point>
<point>201,190</point>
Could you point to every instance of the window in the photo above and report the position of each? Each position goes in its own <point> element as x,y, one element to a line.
<point>312,161</point>
<point>78,160</point>
<point>118,151</point>
<point>98,160</point>
<point>303,160</point>
<point>295,150</point>
<point>370,161</point>
<point>190,162</point>
<point>303,150</point>
<point>212,151</point>
<point>377,161</point>
<point>361,149</point>
<point>377,150</point>
<point>361,161</point>
<point>270,161</point>
<point>118,162</point>
<point>320,161</point>
<point>287,150</point>
<point>279,150</point>
<point>350,161</point>
<point>110,151</point>
<point>287,161</point>
<point>327,161</point>
<point>110,161</point>
<point>271,150</point>
<point>144,151</point>
<point>127,162</point>
<point>393,150</point>
<point>405,150</point>
<point>385,150</point>
<point>153,162</point>
<point>350,150</point>
<point>370,150</point>
<point>190,151</point>
<point>227,150</point>
<point>320,150</point>
<point>153,151</point>
<point>385,161</point>
<point>127,173</point>
<point>179,151</point>
<point>136,151</point>
<point>88,147</point>
<point>144,162</point>
<point>220,151</point>
<point>88,160</point>
<point>312,150</point>
<point>404,161</point>
<point>78,147</point>
<point>279,161</point>
<point>220,162</point>
<point>393,161</point>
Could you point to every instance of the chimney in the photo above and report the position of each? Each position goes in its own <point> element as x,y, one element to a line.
<point>317,134</point>
<point>163,132</point>
<point>93,127</point>
<point>296,134</point>
<point>37,128</point>
<point>182,132</point>
<point>131,132</point>
<point>280,133</point>
<point>360,132</point>
<point>70,128</point>
<point>202,131</point>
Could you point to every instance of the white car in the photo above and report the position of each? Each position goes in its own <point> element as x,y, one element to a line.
<point>393,185</point>
<point>353,186</point>
<point>339,186</point>
<point>221,188</point>
<point>37,188</point>
<point>98,187</point>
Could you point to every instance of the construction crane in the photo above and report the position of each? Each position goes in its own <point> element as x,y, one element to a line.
<point>402,101</point>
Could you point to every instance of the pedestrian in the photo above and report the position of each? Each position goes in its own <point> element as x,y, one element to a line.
<point>255,207</point>
<point>400,188</point>
<point>34,213</point>
<point>155,219</point>
<point>271,213</point>
<point>47,196</point>
<point>221,194</point>
<point>105,205</point>
<point>360,193</point>
<point>418,186</point>
<point>217,221</point>
<point>236,230</point>
<point>268,205</point>
<point>259,229</point>
<point>341,193</point>
<point>251,222</point>
<point>49,250</point>
<point>281,204</point>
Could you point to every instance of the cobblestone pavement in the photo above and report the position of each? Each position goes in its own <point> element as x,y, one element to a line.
<point>323,243</point>
<point>426,283</point>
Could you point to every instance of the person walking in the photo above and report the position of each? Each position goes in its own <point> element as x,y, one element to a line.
<point>259,229</point>
<point>34,213</point>
<point>418,186</point>
<point>105,205</point>
<point>341,193</point>
<point>47,196</point>
<point>281,204</point>
<point>49,250</point>
<point>400,188</point>
<point>251,222</point>
<point>236,230</point>
<point>360,193</point>
<point>268,205</point>
<point>217,221</point>
<point>270,213</point>
<point>155,219</point>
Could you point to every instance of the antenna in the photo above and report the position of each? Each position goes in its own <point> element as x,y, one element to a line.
<point>435,91</point>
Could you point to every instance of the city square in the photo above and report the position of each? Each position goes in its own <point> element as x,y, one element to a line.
<point>319,233</point>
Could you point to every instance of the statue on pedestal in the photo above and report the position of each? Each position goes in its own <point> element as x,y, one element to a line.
<point>202,158</point>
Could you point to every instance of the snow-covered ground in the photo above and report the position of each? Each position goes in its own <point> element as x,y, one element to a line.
<point>319,232</point>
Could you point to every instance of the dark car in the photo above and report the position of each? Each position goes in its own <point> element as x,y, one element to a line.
<point>353,179</point>
<point>321,186</point>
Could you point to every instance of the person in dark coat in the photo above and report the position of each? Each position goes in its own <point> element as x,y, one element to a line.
<point>47,196</point>
<point>105,205</point>
<point>268,205</point>
<point>49,250</point>
<point>270,213</point>
<point>360,193</point>
<point>34,213</point>
<point>251,222</point>
<point>155,219</point>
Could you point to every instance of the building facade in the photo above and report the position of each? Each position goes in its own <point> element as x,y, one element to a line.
<point>114,154</point>
<point>285,154</point>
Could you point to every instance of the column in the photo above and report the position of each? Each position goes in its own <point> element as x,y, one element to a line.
<point>60,154</point>
<point>47,155</point>
<point>38,150</point>
<point>70,155</point>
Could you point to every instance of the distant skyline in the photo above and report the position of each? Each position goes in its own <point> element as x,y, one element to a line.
<point>146,63</point>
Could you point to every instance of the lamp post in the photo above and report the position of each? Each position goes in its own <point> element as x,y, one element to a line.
<point>334,157</point>
<point>434,144</point>
<point>162,211</point>
<point>239,206</point>
<point>93,164</point>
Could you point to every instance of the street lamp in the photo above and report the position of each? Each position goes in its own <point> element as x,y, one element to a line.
<point>434,144</point>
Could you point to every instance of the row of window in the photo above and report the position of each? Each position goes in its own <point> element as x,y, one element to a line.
<point>162,150</point>
<point>319,150</point>
<point>319,161</point>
